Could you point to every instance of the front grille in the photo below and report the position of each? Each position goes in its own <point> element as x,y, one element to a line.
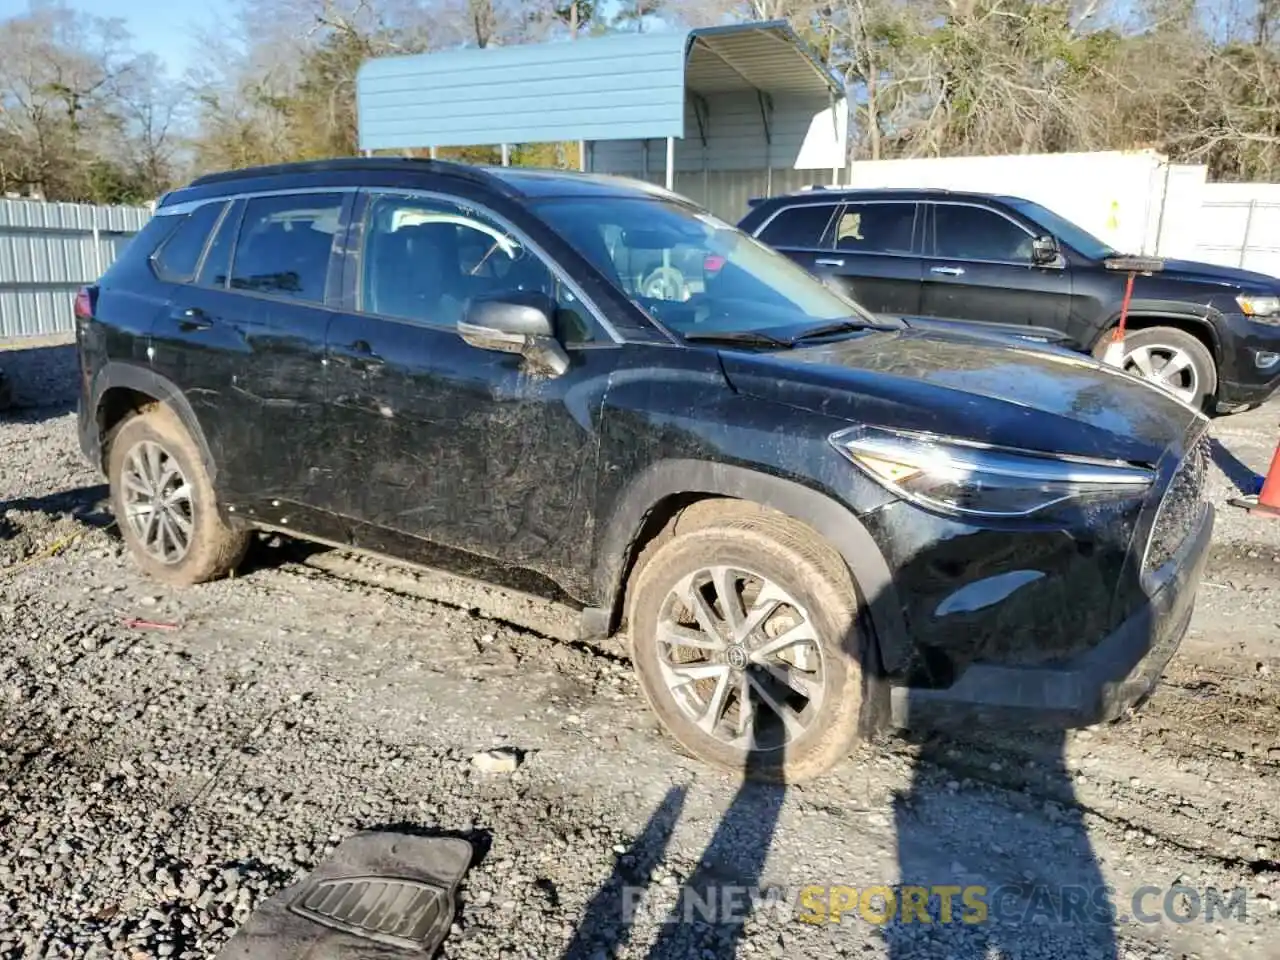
<point>1180,508</point>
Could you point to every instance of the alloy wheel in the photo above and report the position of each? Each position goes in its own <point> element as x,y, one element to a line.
<point>1169,367</point>
<point>157,501</point>
<point>739,655</point>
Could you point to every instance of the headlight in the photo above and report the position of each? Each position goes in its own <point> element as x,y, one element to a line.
<point>962,477</point>
<point>1258,307</point>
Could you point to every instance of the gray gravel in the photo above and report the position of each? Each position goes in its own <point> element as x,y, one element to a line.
<point>159,783</point>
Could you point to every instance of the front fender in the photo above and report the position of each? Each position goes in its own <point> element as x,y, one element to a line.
<point>616,542</point>
<point>1200,315</point>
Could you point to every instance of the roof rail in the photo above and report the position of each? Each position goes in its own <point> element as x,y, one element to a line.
<point>340,164</point>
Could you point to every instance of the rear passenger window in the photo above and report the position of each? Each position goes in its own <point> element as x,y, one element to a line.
<point>284,245</point>
<point>804,226</point>
<point>177,260</point>
<point>876,227</point>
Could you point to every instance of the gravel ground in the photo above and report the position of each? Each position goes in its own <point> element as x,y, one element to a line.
<point>158,784</point>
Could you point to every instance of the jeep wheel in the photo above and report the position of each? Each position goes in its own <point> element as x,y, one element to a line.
<point>746,644</point>
<point>1172,359</point>
<point>164,503</point>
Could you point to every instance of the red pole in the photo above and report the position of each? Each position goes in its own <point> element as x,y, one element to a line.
<point>1124,308</point>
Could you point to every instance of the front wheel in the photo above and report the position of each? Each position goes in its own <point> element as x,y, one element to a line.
<point>746,643</point>
<point>1173,360</point>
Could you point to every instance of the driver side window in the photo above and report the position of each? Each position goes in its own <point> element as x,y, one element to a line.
<point>423,260</point>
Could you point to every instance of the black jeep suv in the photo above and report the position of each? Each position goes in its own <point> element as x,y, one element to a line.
<point>811,522</point>
<point>1209,334</point>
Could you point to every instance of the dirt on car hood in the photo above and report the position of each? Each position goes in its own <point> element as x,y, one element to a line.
<point>1006,394</point>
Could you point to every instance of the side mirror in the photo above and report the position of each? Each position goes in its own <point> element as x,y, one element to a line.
<point>1044,250</point>
<point>515,323</point>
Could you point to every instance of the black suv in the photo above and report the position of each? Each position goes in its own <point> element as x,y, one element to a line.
<point>1209,334</point>
<point>811,522</point>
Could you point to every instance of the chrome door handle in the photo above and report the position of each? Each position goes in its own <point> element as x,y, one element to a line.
<point>829,262</point>
<point>949,271</point>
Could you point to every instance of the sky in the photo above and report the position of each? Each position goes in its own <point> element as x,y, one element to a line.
<point>163,27</point>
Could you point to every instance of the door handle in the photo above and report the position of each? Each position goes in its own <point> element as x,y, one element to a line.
<point>829,262</point>
<point>948,271</point>
<point>191,319</point>
<point>362,355</point>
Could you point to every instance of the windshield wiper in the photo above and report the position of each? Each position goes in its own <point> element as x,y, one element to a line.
<point>750,337</point>
<point>841,326</point>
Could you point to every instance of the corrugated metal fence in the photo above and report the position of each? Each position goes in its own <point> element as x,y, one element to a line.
<point>1241,233</point>
<point>48,251</point>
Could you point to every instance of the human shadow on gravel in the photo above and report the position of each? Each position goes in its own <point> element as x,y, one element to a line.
<point>705,916</point>
<point>715,900</point>
<point>606,923</point>
<point>1241,476</point>
<point>997,876</point>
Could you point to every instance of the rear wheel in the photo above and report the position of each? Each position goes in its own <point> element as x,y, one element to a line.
<point>164,503</point>
<point>1172,359</point>
<point>746,643</point>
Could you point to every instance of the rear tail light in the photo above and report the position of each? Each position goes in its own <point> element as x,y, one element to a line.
<point>713,263</point>
<point>84,304</point>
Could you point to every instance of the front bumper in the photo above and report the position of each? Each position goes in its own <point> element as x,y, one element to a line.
<point>1093,687</point>
<point>1241,380</point>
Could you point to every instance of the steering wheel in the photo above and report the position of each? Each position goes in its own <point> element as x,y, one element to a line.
<point>665,283</point>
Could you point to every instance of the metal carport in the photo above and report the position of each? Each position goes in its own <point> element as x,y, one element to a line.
<point>746,97</point>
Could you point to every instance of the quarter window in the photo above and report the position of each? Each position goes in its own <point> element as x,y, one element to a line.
<point>285,244</point>
<point>876,227</point>
<point>801,226</point>
<point>973,233</point>
<point>177,260</point>
<point>424,259</point>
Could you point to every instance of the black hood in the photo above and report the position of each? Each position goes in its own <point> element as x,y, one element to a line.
<point>1016,396</point>
<point>1214,273</point>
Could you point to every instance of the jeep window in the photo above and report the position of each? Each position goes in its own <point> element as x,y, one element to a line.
<point>216,266</point>
<point>876,227</point>
<point>177,259</point>
<point>1068,233</point>
<point>284,245</point>
<point>800,226</point>
<point>423,260</point>
<point>691,271</point>
<point>963,232</point>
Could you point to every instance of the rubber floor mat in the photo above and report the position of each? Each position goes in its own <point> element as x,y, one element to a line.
<point>379,895</point>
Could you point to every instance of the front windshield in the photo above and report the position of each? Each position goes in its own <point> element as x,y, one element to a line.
<point>1077,238</point>
<point>691,271</point>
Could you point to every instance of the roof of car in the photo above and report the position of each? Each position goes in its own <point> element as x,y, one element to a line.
<point>520,181</point>
<point>828,194</point>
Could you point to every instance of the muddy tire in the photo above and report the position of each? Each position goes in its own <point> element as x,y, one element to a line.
<point>164,503</point>
<point>1170,358</point>
<point>769,684</point>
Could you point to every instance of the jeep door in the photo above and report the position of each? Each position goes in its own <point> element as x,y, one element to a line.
<point>244,340</point>
<point>442,440</point>
<point>978,267</point>
<point>865,249</point>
